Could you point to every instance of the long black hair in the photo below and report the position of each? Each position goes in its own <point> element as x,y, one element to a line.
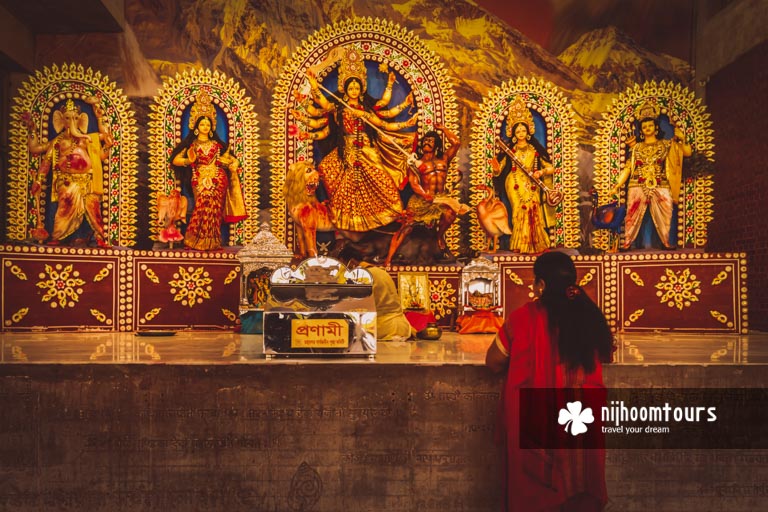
<point>533,141</point>
<point>438,144</point>
<point>337,120</point>
<point>184,173</point>
<point>500,180</point>
<point>574,320</point>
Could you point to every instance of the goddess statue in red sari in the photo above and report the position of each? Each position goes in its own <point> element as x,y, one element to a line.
<point>203,161</point>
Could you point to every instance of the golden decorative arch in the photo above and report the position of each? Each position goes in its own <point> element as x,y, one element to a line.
<point>684,110</point>
<point>39,96</point>
<point>375,40</point>
<point>165,132</point>
<point>548,101</point>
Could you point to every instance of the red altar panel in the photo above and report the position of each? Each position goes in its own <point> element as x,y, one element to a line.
<point>668,290</point>
<point>65,288</point>
<point>62,288</point>
<point>682,291</point>
<point>185,290</point>
<point>443,289</point>
<point>517,281</point>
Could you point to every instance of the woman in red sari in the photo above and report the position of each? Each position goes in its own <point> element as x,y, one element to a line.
<point>555,342</point>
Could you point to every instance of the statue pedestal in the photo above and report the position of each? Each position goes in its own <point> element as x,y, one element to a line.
<point>651,290</point>
<point>89,289</point>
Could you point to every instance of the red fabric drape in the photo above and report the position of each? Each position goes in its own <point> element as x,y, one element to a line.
<point>544,479</point>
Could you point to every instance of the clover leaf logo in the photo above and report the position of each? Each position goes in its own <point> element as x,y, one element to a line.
<point>575,418</point>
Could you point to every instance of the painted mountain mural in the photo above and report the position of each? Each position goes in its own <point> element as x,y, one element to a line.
<point>609,61</point>
<point>252,40</point>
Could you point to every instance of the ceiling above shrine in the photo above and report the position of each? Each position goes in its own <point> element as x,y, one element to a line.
<point>58,17</point>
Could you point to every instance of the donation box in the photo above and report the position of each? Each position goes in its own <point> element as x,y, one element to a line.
<point>320,308</point>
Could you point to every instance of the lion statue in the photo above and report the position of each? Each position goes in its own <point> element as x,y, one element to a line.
<point>309,214</point>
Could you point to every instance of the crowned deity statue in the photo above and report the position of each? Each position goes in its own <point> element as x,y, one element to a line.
<point>654,172</point>
<point>520,170</point>
<point>204,168</point>
<point>76,158</point>
<point>362,160</point>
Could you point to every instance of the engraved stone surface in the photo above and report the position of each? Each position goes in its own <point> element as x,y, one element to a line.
<point>314,437</point>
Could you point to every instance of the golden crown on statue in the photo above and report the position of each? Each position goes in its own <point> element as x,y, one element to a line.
<point>203,107</point>
<point>648,111</point>
<point>70,106</point>
<point>352,66</point>
<point>519,113</point>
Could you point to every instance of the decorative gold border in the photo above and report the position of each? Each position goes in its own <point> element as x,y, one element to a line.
<point>548,100</point>
<point>165,133</point>
<point>686,111</point>
<point>610,268</point>
<point>118,311</point>
<point>39,95</point>
<point>127,297</point>
<point>443,297</point>
<point>621,262</point>
<point>378,40</point>
<point>146,284</point>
